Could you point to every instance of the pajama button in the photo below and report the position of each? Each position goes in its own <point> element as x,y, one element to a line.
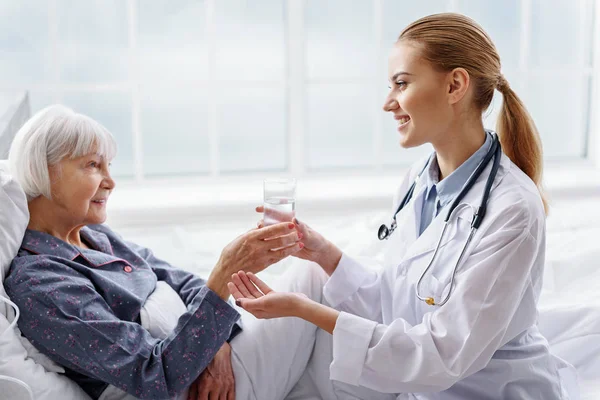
<point>127,268</point>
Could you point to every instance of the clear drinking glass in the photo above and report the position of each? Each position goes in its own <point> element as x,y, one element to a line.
<point>279,200</point>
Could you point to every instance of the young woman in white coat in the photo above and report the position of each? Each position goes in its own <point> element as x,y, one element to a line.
<point>409,331</point>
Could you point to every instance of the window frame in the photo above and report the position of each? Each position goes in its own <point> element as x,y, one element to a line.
<point>295,84</point>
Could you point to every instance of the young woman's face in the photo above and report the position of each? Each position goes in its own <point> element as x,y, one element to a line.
<point>417,97</point>
<point>80,189</point>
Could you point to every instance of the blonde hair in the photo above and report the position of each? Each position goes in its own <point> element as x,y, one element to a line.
<point>52,134</point>
<point>450,41</point>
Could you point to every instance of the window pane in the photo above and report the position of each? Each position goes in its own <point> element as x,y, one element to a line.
<point>502,21</point>
<point>24,46</point>
<point>93,40</point>
<point>340,126</point>
<point>252,130</point>
<point>555,40</point>
<point>589,7</point>
<point>42,99</point>
<point>558,113</point>
<point>175,133</point>
<point>340,39</point>
<point>250,39</point>
<point>113,110</point>
<point>171,41</point>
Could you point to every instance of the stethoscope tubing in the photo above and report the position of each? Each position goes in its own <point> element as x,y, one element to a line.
<point>384,233</point>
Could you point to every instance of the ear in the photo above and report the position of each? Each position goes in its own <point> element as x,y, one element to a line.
<point>458,84</point>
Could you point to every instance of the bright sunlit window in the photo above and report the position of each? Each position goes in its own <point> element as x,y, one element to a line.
<point>222,87</point>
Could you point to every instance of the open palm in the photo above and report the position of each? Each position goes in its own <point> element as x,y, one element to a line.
<point>256,297</point>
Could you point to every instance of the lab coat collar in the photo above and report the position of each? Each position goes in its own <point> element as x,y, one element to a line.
<point>461,219</point>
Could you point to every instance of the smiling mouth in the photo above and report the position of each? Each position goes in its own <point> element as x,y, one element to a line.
<point>403,120</point>
<point>99,201</point>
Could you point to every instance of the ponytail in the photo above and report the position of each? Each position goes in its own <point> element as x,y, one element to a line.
<point>519,137</point>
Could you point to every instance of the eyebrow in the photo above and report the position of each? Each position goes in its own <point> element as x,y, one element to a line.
<point>397,74</point>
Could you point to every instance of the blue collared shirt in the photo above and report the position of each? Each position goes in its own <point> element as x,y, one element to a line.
<point>439,194</point>
<point>81,307</point>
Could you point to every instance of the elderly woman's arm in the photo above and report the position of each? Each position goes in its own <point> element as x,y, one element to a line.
<point>67,319</point>
<point>186,284</point>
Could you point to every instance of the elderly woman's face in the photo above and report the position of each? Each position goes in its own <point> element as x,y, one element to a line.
<point>81,187</point>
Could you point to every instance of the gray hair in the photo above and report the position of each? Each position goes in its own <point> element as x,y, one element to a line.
<point>52,134</point>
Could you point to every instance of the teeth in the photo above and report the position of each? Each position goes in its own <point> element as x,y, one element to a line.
<point>403,120</point>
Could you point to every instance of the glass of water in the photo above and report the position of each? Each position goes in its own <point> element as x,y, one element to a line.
<point>279,200</point>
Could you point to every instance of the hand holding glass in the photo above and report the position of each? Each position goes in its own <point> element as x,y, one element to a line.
<point>279,201</point>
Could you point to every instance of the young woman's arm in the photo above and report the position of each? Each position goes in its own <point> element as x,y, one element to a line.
<point>452,342</point>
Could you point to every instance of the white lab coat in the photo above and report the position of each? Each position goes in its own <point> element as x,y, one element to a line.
<point>484,342</point>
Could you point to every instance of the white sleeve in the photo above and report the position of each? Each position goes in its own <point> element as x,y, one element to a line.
<point>453,341</point>
<point>355,288</point>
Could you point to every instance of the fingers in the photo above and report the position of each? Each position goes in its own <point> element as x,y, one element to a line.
<point>231,394</point>
<point>275,230</point>
<point>193,391</point>
<point>283,241</point>
<point>235,292</point>
<point>300,226</point>
<point>280,254</point>
<point>204,391</point>
<point>242,287</point>
<point>249,285</point>
<point>260,209</point>
<point>259,283</point>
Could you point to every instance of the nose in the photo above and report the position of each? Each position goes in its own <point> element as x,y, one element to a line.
<point>390,103</point>
<point>108,183</point>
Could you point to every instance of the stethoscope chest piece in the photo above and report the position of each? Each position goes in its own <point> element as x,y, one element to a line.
<point>383,232</point>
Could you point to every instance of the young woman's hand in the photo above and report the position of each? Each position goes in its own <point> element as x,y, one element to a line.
<point>254,296</point>
<point>316,247</point>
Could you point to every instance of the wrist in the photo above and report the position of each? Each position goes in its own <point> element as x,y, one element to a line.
<point>318,314</point>
<point>329,258</point>
<point>217,282</point>
<point>303,308</point>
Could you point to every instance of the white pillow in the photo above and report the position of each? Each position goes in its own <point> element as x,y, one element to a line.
<point>14,217</point>
<point>22,371</point>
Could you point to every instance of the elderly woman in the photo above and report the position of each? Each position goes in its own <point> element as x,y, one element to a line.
<point>81,287</point>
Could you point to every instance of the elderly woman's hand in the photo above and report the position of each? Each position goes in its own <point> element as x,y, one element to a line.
<point>316,247</point>
<point>254,251</point>
<point>217,380</point>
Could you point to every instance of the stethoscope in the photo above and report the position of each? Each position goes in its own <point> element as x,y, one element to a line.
<point>384,232</point>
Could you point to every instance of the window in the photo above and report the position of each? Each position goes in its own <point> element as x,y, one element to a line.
<point>221,87</point>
